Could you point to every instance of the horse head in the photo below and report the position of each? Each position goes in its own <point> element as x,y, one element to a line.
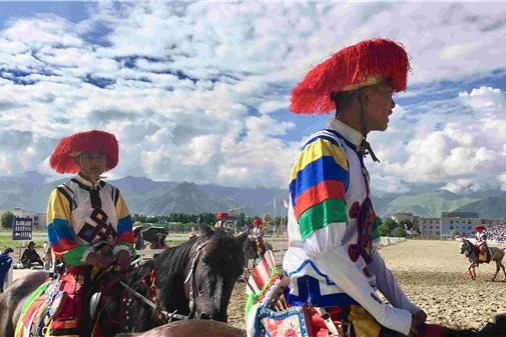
<point>217,263</point>
<point>250,248</point>
<point>463,245</point>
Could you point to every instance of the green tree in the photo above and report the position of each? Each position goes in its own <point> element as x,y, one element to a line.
<point>391,223</point>
<point>455,233</point>
<point>383,229</point>
<point>7,218</point>
<point>400,232</point>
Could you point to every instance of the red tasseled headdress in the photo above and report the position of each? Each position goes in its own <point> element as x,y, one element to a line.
<point>222,215</point>
<point>363,64</point>
<point>62,159</point>
<point>257,222</point>
<point>480,228</point>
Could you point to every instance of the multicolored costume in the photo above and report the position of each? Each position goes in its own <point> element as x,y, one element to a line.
<point>332,229</point>
<point>83,217</point>
<point>481,243</point>
<point>258,228</point>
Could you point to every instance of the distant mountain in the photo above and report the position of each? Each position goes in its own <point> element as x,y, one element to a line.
<point>30,191</point>
<point>425,204</point>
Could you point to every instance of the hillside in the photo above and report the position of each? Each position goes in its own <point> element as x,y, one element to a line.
<point>144,196</point>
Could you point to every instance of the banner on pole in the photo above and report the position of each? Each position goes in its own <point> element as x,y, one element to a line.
<point>22,228</point>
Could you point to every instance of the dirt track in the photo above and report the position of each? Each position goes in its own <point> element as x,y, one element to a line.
<point>434,276</point>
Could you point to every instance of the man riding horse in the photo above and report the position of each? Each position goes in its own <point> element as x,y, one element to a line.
<point>481,243</point>
<point>89,230</point>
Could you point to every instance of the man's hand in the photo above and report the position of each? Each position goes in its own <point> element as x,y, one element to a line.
<point>123,260</point>
<point>416,319</point>
<point>99,261</point>
<point>419,317</point>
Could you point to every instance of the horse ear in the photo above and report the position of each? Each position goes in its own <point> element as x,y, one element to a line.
<point>205,230</point>
<point>243,236</point>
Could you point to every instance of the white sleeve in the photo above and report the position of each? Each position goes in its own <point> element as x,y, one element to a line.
<point>324,247</point>
<point>388,285</point>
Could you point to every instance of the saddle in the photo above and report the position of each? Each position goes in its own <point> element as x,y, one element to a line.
<point>51,312</point>
<point>485,255</point>
<point>268,313</point>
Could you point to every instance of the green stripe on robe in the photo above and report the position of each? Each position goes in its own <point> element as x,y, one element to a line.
<point>320,215</point>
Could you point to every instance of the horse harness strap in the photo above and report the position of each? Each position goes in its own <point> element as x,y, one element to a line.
<point>166,315</point>
<point>191,275</point>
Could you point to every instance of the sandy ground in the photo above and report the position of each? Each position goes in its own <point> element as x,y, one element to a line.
<point>434,276</point>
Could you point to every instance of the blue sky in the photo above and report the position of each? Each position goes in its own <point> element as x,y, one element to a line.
<point>198,91</point>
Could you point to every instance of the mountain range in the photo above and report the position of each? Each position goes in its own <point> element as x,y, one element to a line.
<point>30,192</point>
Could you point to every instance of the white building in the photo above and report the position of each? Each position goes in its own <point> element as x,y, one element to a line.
<point>444,227</point>
<point>38,218</point>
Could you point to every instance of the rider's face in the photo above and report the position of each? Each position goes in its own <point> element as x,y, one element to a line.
<point>92,163</point>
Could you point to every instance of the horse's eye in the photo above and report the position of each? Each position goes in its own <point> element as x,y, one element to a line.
<point>205,260</point>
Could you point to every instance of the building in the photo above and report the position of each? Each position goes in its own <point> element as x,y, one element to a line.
<point>38,218</point>
<point>443,228</point>
<point>397,217</point>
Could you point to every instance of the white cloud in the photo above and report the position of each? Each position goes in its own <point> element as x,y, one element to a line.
<point>198,91</point>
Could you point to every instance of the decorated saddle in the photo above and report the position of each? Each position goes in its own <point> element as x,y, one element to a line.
<point>268,314</point>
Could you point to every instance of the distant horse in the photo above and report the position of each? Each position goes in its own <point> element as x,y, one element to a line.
<point>192,280</point>
<point>255,248</point>
<point>473,255</point>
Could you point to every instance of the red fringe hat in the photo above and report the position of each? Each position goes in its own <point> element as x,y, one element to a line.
<point>257,222</point>
<point>364,64</point>
<point>62,159</point>
<point>222,215</point>
<point>480,228</point>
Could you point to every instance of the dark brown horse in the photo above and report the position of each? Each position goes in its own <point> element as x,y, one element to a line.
<point>473,255</point>
<point>194,328</point>
<point>192,280</point>
<point>205,328</point>
<point>255,248</point>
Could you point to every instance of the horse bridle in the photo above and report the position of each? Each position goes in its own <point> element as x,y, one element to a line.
<point>192,276</point>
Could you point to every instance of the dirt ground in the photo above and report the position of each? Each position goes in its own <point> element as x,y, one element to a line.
<point>433,274</point>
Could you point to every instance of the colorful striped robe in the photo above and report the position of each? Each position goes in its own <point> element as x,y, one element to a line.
<point>79,218</point>
<point>333,232</point>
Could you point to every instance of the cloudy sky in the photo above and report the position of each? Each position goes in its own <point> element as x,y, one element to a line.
<point>199,91</point>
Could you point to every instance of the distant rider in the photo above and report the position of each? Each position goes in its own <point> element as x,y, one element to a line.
<point>481,242</point>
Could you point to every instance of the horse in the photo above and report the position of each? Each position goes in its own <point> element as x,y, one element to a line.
<point>192,280</point>
<point>255,248</point>
<point>491,329</point>
<point>193,328</point>
<point>473,255</point>
<point>199,328</point>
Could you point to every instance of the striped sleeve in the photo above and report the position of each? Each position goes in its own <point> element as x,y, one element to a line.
<point>318,183</point>
<point>125,239</point>
<point>60,233</point>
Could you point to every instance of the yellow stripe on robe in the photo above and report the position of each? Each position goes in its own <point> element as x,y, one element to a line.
<point>316,150</point>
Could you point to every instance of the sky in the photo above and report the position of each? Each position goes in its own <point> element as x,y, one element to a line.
<point>198,91</point>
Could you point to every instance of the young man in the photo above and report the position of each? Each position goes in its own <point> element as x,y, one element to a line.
<point>89,228</point>
<point>332,258</point>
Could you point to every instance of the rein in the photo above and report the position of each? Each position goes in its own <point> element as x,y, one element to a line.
<point>153,303</point>
<point>192,275</point>
<point>156,308</point>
